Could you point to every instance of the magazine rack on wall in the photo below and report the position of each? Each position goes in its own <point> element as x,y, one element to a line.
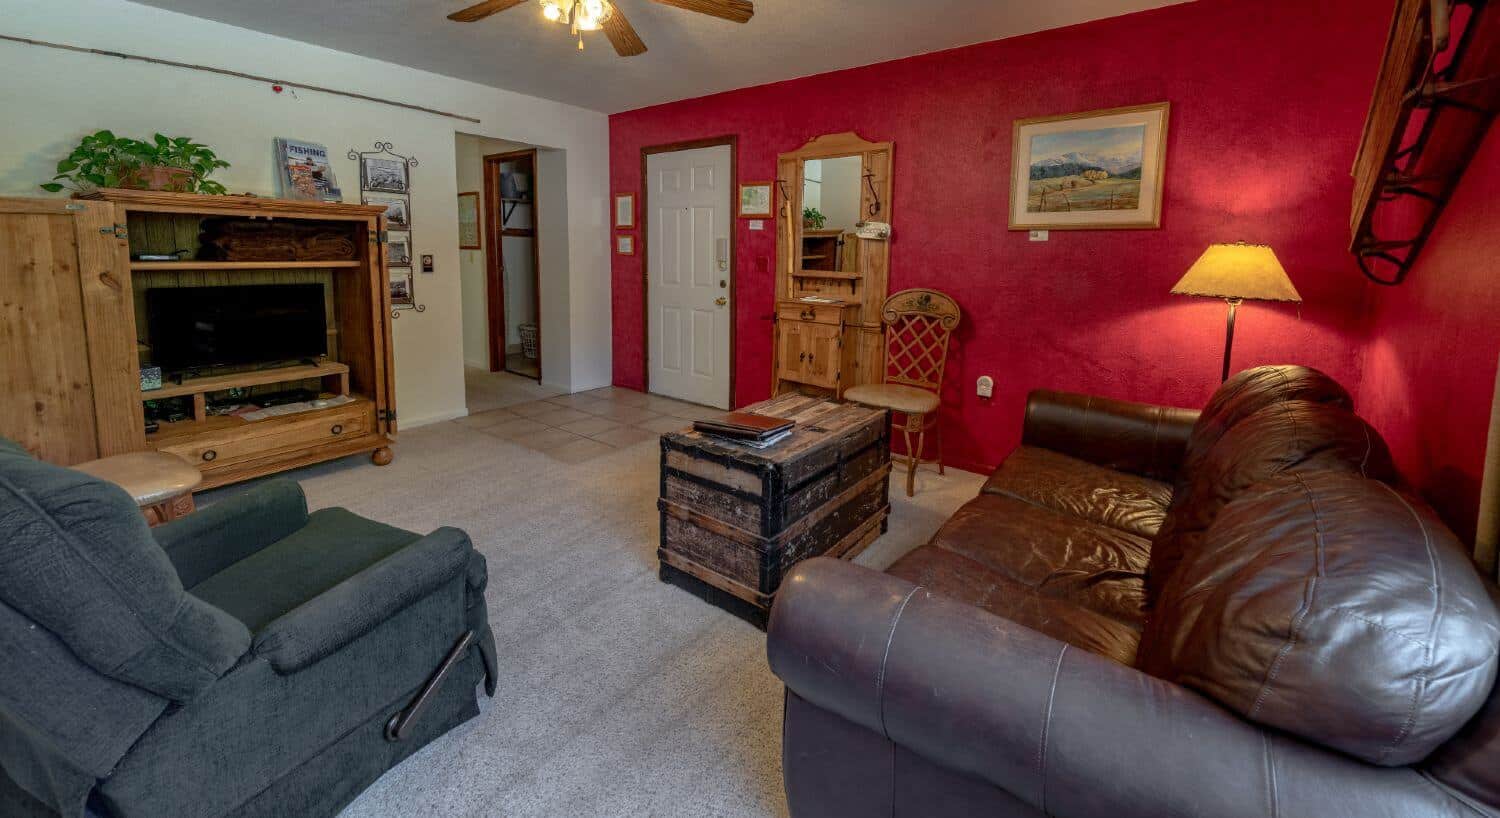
<point>385,178</point>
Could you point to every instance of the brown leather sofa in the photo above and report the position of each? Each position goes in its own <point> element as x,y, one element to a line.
<point>1155,612</point>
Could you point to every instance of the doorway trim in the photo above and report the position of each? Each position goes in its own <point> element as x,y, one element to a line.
<point>733,141</point>
<point>494,258</point>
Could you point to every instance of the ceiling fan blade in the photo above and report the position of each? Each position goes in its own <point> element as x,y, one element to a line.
<point>739,11</point>
<point>622,35</point>
<point>479,11</point>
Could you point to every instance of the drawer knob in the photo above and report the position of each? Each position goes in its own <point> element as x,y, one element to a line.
<point>338,428</point>
<point>209,456</point>
<point>808,315</point>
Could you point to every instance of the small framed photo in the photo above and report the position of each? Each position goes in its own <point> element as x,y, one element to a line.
<point>398,250</point>
<point>625,211</point>
<point>384,175</point>
<point>625,245</point>
<point>401,285</point>
<point>397,209</point>
<point>755,200</point>
<point>468,221</point>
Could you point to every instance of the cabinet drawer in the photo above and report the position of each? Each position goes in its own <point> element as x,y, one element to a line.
<point>266,437</point>
<point>811,313</point>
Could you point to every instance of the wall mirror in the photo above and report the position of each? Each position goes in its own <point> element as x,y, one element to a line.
<point>830,213</point>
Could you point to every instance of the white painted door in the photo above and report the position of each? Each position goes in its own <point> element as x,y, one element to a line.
<point>687,250</point>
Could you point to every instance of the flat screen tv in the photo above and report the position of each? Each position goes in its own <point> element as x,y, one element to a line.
<point>194,328</point>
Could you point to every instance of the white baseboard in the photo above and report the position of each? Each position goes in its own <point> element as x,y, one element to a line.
<point>428,420</point>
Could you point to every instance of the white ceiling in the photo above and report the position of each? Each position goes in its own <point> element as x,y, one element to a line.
<point>690,54</point>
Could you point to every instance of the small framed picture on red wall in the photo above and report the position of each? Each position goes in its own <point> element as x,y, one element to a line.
<point>755,200</point>
<point>624,211</point>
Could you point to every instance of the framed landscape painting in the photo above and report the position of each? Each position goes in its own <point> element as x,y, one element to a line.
<point>1097,170</point>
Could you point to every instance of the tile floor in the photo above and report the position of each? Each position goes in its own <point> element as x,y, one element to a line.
<point>579,427</point>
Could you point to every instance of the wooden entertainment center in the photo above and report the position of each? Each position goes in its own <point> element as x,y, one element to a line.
<point>74,307</point>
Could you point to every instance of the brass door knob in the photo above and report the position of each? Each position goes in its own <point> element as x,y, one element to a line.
<point>721,301</point>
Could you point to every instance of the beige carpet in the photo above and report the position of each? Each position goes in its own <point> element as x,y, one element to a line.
<point>619,695</point>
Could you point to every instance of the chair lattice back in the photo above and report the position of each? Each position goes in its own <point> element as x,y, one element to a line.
<point>918,326</point>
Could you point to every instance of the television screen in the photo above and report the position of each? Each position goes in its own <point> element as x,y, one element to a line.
<point>201,327</point>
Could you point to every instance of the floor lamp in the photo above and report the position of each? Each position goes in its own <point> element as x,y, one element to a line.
<point>1236,273</point>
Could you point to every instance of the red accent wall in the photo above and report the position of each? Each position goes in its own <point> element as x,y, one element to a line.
<point>1429,372</point>
<point>1268,101</point>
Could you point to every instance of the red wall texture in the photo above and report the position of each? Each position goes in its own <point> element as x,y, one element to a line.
<point>1429,372</point>
<point>1268,101</point>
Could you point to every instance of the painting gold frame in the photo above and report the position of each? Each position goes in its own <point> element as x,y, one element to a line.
<point>1147,216</point>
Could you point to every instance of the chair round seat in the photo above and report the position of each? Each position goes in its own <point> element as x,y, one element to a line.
<point>894,396</point>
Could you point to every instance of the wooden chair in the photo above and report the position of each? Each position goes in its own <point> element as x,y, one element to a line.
<point>918,326</point>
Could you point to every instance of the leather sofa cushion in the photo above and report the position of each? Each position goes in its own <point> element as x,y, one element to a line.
<point>1131,503</point>
<point>1057,555</point>
<point>1332,607</point>
<point>1286,436</point>
<point>1249,392</point>
<point>960,578</point>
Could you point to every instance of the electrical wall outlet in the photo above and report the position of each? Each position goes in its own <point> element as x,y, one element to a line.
<point>985,387</point>
<point>1039,235</point>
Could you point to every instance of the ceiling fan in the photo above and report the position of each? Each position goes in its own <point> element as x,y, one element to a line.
<point>592,15</point>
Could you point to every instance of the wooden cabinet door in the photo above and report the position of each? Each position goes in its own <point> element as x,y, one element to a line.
<point>809,353</point>
<point>791,352</point>
<point>822,345</point>
<point>69,376</point>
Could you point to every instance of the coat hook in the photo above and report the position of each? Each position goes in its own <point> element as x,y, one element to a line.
<point>874,194</point>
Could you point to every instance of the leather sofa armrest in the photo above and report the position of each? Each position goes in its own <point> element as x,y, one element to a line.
<point>1140,438</point>
<point>332,620</point>
<point>215,537</point>
<point>1073,734</point>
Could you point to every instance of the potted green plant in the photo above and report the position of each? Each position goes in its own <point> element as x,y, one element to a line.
<point>813,219</point>
<point>176,164</point>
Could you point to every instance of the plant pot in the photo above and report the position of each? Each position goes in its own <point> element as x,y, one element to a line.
<point>158,177</point>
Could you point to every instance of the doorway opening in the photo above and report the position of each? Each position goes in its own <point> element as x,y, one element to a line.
<point>687,226</point>
<point>513,263</point>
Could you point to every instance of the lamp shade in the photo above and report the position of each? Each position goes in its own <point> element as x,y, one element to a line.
<point>1239,271</point>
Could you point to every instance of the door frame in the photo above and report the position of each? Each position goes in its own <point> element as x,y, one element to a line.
<point>494,257</point>
<point>733,142</point>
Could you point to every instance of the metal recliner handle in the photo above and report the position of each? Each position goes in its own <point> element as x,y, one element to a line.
<point>399,725</point>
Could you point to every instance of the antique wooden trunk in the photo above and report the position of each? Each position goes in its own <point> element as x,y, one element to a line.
<point>738,518</point>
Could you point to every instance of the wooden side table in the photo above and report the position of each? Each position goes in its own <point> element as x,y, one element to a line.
<point>161,484</point>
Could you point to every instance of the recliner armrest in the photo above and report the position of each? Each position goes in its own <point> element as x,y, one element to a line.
<point>326,624</point>
<point>1073,734</point>
<point>1140,438</point>
<point>216,537</point>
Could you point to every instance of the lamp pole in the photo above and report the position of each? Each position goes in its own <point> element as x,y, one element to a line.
<point>1229,337</point>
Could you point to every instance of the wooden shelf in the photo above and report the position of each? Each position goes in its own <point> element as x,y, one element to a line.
<point>258,377</point>
<point>827,274</point>
<point>241,265</point>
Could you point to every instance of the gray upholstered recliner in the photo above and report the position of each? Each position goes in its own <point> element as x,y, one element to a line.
<point>250,659</point>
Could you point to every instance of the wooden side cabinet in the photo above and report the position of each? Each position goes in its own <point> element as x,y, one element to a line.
<point>815,346</point>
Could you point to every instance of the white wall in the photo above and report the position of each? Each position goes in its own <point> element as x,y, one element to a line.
<point>52,98</point>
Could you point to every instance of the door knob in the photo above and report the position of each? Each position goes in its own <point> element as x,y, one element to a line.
<point>721,301</point>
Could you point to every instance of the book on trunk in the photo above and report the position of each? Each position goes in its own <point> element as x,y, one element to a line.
<point>746,427</point>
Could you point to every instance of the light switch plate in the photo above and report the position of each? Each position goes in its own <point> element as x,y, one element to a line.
<point>757,224</point>
<point>985,388</point>
<point>1039,235</point>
